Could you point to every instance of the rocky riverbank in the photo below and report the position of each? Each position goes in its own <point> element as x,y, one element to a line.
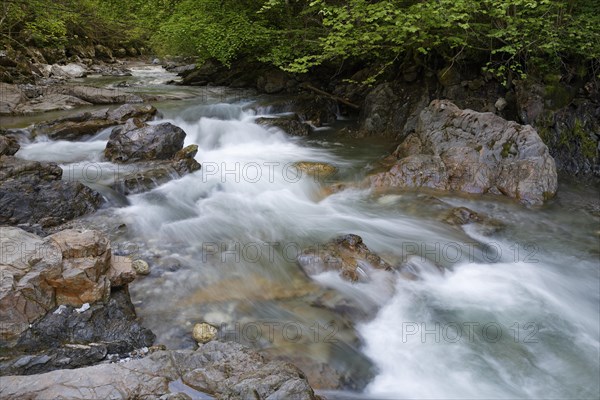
<point>68,325</point>
<point>565,111</point>
<point>65,305</point>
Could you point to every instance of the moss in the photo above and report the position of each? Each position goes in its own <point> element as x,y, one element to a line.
<point>558,95</point>
<point>478,147</point>
<point>506,149</point>
<point>586,144</point>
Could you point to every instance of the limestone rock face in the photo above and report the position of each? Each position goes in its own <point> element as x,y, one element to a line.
<point>70,267</point>
<point>223,370</point>
<point>468,151</point>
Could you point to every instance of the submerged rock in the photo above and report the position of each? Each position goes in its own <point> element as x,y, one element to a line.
<point>346,254</point>
<point>33,192</point>
<point>316,169</point>
<point>291,125</point>
<point>463,150</point>
<point>224,370</point>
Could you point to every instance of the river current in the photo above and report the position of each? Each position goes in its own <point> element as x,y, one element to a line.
<point>509,313</point>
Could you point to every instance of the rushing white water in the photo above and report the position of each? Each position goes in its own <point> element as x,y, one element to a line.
<point>513,315</point>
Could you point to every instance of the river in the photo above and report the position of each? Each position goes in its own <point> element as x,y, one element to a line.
<point>509,313</point>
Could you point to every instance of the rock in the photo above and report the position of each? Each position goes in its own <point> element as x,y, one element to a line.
<point>25,293</point>
<point>151,174</point>
<point>272,81</point>
<point>113,324</point>
<point>231,371</point>
<point>52,55</point>
<point>34,193</point>
<point>121,271</point>
<point>141,267</point>
<point>317,110</point>
<point>88,123</point>
<point>68,269</point>
<point>8,145</point>
<point>86,262</point>
<point>6,60</point>
<point>120,52</point>
<point>74,127</point>
<point>83,51</point>
<point>568,120</point>
<point>204,333</point>
<point>501,104</point>
<point>68,338</point>
<point>10,97</point>
<point>346,254</point>
<point>126,111</point>
<point>225,370</point>
<point>316,169</point>
<point>67,356</point>
<point>103,53</point>
<point>473,152</point>
<point>291,125</point>
<point>95,95</point>
<point>392,111</point>
<point>178,69</point>
<point>138,142</point>
<point>69,71</point>
<point>461,216</point>
<point>50,102</point>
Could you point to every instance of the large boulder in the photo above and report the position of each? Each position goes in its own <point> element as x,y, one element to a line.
<point>346,254</point>
<point>33,192</point>
<point>68,71</point>
<point>223,370</point>
<point>468,151</point>
<point>68,268</point>
<point>136,141</point>
<point>25,294</point>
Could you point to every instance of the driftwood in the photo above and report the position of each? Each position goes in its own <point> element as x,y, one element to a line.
<point>331,96</point>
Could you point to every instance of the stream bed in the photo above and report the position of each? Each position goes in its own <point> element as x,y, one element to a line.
<point>500,313</point>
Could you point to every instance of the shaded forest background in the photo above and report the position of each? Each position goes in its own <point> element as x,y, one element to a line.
<point>510,39</point>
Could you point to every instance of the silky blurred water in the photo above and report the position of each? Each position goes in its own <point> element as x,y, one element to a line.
<point>511,314</point>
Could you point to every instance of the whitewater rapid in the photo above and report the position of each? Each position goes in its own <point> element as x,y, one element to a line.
<point>519,319</point>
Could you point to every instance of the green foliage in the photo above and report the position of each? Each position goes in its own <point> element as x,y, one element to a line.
<point>51,23</point>
<point>508,38</point>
